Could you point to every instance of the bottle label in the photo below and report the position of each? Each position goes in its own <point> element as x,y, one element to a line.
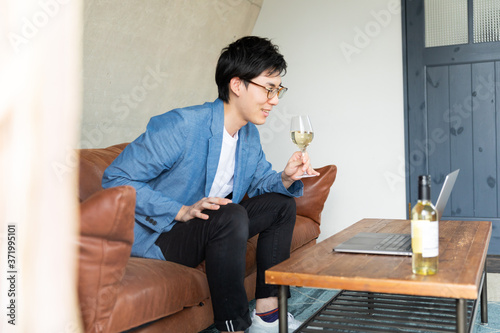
<point>425,238</point>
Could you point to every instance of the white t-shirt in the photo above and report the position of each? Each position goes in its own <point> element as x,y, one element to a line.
<point>223,182</point>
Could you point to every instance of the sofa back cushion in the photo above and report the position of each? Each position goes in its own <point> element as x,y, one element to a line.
<point>316,190</point>
<point>93,162</point>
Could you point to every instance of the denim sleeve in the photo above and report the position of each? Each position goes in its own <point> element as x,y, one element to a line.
<point>151,154</point>
<point>267,180</point>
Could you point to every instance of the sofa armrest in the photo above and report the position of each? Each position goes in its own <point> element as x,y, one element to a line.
<point>106,237</point>
<point>316,190</point>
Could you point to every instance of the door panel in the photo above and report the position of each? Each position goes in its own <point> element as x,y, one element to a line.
<point>460,110</point>
<point>484,140</point>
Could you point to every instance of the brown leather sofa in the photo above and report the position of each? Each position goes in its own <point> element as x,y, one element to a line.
<point>120,293</point>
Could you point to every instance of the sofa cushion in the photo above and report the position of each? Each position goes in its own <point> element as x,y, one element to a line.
<point>156,288</point>
<point>305,231</point>
<point>316,190</point>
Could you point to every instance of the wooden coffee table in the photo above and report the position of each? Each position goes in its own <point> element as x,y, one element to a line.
<point>382,280</point>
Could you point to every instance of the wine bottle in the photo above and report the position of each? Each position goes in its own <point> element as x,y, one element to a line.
<point>424,231</point>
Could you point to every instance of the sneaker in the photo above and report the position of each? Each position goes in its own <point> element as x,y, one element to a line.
<point>260,326</point>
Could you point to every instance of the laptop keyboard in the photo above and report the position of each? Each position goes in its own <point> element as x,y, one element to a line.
<point>395,242</point>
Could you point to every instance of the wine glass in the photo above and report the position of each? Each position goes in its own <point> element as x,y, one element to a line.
<point>302,134</point>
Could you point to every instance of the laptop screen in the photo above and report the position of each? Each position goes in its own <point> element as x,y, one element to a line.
<point>444,195</point>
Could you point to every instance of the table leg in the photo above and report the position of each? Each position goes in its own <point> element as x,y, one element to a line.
<point>283,309</point>
<point>484,299</point>
<point>461,315</point>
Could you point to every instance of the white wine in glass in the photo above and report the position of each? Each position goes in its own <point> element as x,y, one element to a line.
<point>302,134</point>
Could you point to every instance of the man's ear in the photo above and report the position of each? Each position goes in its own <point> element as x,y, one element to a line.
<point>235,85</point>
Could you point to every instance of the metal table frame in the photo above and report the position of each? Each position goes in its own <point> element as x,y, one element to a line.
<point>358,311</point>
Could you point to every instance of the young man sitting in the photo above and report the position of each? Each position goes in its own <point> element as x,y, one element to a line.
<point>191,169</point>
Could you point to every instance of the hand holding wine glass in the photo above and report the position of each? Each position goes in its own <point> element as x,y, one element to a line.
<point>302,134</point>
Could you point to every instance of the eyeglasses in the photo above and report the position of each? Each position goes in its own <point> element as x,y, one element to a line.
<point>272,92</point>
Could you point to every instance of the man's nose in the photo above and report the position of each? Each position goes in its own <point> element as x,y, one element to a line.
<point>274,101</point>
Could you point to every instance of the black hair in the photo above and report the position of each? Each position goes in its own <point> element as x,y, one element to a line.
<point>247,58</point>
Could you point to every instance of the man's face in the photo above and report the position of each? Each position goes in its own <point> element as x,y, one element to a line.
<point>254,104</point>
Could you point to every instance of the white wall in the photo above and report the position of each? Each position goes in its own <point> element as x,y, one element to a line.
<point>345,71</point>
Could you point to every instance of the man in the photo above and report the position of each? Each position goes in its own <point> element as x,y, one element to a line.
<point>191,170</point>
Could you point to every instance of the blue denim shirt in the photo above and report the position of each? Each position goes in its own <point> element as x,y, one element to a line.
<point>173,163</point>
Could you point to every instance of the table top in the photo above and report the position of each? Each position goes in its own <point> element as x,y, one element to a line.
<point>463,246</point>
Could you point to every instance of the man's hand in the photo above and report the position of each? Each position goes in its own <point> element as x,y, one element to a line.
<point>296,166</point>
<point>187,213</point>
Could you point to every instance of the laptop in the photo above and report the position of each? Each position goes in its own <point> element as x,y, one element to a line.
<point>390,243</point>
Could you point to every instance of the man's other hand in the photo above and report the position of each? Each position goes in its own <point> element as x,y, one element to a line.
<point>187,213</point>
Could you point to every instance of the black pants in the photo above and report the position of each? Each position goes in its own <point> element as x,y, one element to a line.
<point>222,242</point>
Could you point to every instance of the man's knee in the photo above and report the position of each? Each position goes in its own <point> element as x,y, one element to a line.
<point>234,219</point>
<point>234,212</point>
<point>287,204</point>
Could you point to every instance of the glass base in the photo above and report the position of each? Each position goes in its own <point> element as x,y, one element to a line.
<point>307,176</point>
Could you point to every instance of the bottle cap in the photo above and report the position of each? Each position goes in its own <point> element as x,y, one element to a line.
<point>424,180</point>
<point>424,187</point>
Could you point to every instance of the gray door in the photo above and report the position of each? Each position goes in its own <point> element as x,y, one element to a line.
<point>452,93</point>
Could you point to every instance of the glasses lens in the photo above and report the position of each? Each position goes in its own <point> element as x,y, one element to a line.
<point>272,93</point>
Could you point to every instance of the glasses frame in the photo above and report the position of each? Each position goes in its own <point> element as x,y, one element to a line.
<point>280,91</point>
